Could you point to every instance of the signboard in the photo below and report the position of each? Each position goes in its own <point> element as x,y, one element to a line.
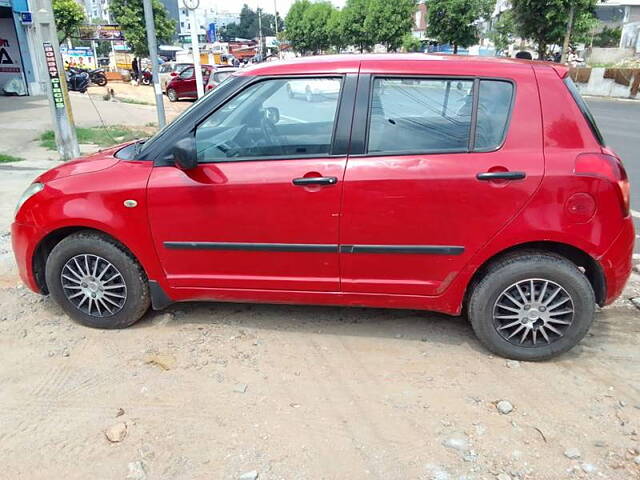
<point>11,73</point>
<point>79,57</point>
<point>212,33</point>
<point>54,75</point>
<point>120,46</point>
<point>100,32</point>
<point>25,18</point>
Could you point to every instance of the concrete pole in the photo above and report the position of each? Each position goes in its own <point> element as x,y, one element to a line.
<point>153,55</point>
<point>52,74</point>
<point>195,48</point>
<point>275,9</point>
<point>567,36</point>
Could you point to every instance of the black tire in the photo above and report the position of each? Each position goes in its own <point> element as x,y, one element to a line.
<point>172,95</point>
<point>543,267</point>
<point>100,80</point>
<point>91,243</point>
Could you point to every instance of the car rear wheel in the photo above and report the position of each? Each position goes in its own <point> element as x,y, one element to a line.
<point>172,94</point>
<point>96,281</point>
<point>532,306</point>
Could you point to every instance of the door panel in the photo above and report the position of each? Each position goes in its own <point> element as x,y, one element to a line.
<point>233,208</point>
<point>261,209</point>
<point>411,221</point>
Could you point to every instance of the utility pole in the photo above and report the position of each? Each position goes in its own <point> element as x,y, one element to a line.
<point>275,9</point>
<point>567,36</point>
<point>153,55</point>
<point>260,31</point>
<point>192,5</point>
<point>52,73</point>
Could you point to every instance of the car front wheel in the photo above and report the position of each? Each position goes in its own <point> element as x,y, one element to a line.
<point>96,281</point>
<point>532,306</point>
<point>172,94</point>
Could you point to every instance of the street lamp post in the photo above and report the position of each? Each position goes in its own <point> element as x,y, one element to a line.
<point>153,55</point>
<point>191,5</point>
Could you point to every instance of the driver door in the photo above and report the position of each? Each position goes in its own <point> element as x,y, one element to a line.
<point>261,209</point>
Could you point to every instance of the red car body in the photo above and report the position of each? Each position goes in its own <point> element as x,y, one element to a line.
<point>365,239</point>
<point>184,83</point>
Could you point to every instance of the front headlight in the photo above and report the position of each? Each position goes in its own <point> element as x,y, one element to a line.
<point>28,193</point>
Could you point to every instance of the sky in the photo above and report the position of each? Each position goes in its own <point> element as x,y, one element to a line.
<point>266,5</point>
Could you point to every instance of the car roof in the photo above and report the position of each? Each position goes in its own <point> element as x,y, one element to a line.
<point>352,63</point>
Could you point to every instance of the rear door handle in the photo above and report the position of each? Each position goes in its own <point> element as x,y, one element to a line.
<point>315,181</point>
<point>501,176</point>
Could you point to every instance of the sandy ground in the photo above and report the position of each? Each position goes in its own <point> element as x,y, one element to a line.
<point>229,391</point>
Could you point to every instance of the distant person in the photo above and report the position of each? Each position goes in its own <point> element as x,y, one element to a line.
<point>135,69</point>
<point>524,54</point>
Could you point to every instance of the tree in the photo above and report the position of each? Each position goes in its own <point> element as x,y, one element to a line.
<point>69,15</point>
<point>129,14</point>
<point>608,37</point>
<point>355,31</point>
<point>389,21</point>
<point>411,43</point>
<point>546,21</point>
<point>315,20</point>
<point>502,32</point>
<point>296,30</point>
<point>336,29</point>
<point>455,21</point>
<point>249,26</point>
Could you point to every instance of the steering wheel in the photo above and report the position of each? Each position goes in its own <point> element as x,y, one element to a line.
<point>271,136</point>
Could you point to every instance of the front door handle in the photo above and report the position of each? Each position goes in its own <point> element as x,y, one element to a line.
<point>315,181</point>
<point>501,176</point>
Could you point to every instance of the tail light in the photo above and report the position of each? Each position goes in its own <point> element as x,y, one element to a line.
<point>608,167</point>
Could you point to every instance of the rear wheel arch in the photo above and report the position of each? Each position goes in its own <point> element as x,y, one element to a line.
<point>585,262</point>
<point>48,243</point>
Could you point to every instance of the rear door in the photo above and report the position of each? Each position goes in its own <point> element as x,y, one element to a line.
<point>440,162</point>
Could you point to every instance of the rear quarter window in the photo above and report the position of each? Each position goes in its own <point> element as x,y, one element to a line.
<point>584,108</point>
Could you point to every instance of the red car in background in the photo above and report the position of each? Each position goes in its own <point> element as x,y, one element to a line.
<point>183,85</point>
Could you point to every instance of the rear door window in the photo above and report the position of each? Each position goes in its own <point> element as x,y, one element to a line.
<point>410,115</point>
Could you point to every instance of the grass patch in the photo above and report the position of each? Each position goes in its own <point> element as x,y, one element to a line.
<point>104,137</point>
<point>134,101</point>
<point>4,158</point>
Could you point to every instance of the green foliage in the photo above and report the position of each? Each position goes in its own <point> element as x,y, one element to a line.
<point>318,26</point>
<point>455,21</point>
<point>356,32</point>
<point>545,21</point>
<point>389,21</point>
<point>5,158</point>
<point>129,14</point>
<point>104,137</point>
<point>315,21</point>
<point>249,26</point>
<point>69,15</point>
<point>296,31</point>
<point>411,43</point>
<point>608,37</point>
<point>502,32</point>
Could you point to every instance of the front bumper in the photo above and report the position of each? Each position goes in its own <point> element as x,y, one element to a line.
<point>25,239</point>
<point>617,262</point>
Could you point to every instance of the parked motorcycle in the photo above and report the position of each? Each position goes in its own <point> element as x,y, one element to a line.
<point>77,80</point>
<point>146,77</point>
<point>98,77</point>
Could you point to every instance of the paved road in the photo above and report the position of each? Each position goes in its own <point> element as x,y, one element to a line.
<point>619,122</point>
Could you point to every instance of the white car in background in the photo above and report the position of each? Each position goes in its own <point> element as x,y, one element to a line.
<point>317,89</point>
<point>168,70</point>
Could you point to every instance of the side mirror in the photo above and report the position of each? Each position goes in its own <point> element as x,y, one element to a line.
<point>184,153</point>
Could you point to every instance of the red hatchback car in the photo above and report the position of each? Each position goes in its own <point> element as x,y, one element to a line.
<point>430,182</point>
<point>183,85</point>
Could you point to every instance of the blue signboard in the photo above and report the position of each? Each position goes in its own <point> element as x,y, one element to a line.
<point>211,33</point>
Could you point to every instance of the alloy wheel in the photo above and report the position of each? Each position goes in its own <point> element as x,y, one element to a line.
<point>93,285</point>
<point>533,312</point>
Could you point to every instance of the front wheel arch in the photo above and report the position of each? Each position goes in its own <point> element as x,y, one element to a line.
<point>48,243</point>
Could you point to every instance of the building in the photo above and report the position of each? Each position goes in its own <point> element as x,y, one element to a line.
<point>623,14</point>
<point>420,21</point>
<point>18,73</point>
